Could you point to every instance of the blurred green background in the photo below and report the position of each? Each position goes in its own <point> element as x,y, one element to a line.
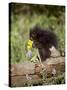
<point>24,16</point>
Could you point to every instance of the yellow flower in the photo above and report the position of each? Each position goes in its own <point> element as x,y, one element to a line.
<point>29,44</point>
<point>28,47</point>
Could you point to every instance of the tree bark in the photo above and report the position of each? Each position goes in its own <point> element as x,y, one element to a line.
<point>27,72</point>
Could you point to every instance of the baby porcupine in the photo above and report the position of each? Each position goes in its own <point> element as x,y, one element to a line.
<point>43,40</point>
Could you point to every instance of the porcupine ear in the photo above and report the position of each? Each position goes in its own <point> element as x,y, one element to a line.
<point>33,32</point>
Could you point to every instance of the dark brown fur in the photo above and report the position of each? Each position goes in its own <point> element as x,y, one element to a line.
<point>43,40</point>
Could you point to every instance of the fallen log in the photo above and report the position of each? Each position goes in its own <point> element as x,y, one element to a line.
<point>28,73</point>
